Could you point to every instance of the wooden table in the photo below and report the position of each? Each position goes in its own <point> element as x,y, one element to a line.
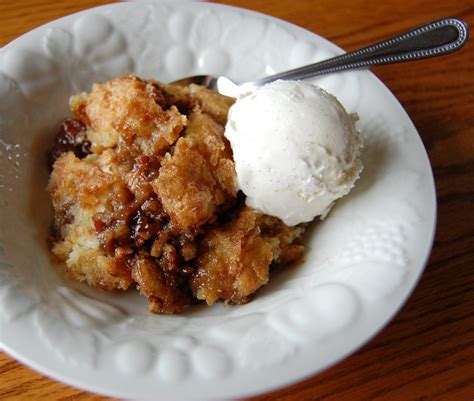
<point>427,351</point>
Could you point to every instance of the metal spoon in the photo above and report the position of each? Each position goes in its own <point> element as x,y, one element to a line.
<point>431,40</point>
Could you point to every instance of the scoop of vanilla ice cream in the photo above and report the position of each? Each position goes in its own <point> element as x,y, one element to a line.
<point>296,150</point>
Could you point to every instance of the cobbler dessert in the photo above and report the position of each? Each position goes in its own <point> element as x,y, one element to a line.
<point>145,195</point>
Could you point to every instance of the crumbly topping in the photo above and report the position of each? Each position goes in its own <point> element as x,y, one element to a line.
<point>143,187</point>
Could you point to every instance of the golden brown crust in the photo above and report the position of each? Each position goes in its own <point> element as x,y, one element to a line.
<point>80,189</point>
<point>186,98</point>
<point>286,242</point>
<point>128,111</point>
<point>233,261</point>
<point>199,176</point>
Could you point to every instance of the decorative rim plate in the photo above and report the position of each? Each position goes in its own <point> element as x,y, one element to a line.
<point>362,261</point>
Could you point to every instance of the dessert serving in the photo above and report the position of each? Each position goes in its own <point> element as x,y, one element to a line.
<point>122,200</point>
<point>153,188</point>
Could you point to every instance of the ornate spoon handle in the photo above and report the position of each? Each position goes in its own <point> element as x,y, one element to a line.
<point>430,40</point>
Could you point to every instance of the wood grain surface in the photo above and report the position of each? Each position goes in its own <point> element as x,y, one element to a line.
<point>427,351</point>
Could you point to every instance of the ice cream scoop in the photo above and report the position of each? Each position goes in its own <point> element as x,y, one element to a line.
<point>296,150</point>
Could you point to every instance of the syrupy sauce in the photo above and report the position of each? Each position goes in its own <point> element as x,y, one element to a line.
<point>71,137</point>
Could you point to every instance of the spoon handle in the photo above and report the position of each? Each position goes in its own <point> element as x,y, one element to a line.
<point>430,40</point>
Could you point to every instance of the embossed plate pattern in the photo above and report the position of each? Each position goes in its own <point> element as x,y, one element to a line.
<point>361,264</point>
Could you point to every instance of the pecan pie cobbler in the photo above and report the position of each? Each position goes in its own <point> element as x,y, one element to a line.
<point>143,186</point>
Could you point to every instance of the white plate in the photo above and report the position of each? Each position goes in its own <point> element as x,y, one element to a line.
<point>361,264</point>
